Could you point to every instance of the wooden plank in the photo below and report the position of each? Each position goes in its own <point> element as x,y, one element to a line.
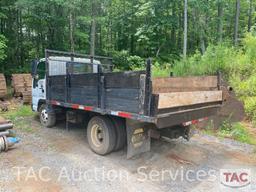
<point>184,84</point>
<point>128,80</point>
<point>84,80</point>
<point>123,93</point>
<point>85,100</point>
<point>115,104</point>
<point>177,99</point>
<point>83,91</point>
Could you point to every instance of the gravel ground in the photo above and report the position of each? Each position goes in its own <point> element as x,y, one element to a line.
<point>59,160</point>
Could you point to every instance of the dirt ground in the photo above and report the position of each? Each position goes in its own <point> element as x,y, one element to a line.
<point>59,160</point>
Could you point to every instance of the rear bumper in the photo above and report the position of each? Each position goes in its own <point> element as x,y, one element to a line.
<point>177,118</point>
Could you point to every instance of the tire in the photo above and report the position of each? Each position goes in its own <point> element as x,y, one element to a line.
<point>120,133</point>
<point>47,120</point>
<point>101,135</point>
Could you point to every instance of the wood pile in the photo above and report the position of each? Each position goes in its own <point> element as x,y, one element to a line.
<point>3,89</point>
<point>22,85</point>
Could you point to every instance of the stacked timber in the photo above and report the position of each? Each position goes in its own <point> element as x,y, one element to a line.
<point>3,89</point>
<point>22,85</point>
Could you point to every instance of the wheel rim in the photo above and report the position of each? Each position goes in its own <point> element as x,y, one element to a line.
<point>44,116</point>
<point>97,135</point>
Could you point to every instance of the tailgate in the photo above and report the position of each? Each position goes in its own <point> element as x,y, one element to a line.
<point>185,99</point>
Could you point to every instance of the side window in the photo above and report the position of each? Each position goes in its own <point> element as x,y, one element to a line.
<point>41,70</point>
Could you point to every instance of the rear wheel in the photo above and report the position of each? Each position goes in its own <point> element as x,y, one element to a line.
<point>101,135</point>
<point>120,132</point>
<point>47,119</point>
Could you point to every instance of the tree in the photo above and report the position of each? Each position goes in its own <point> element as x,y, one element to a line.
<point>237,22</point>
<point>250,15</point>
<point>2,48</point>
<point>220,20</point>
<point>185,28</point>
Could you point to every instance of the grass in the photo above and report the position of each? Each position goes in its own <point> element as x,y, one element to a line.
<point>21,111</point>
<point>236,131</point>
<point>17,117</point>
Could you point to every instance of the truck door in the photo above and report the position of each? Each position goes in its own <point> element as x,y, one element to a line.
<point>38,86</point>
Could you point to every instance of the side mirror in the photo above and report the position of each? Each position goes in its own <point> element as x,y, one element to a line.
<point>36,76</point>
<point>34,68</point>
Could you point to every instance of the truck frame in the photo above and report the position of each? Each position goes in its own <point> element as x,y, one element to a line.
<point>124,107</point>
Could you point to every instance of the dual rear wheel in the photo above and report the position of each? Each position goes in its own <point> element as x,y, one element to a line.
<point>106,134</point>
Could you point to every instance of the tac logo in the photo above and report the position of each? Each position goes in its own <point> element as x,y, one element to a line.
<point>235,178</point>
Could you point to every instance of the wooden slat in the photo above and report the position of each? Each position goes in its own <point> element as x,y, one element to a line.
<point>178,99</point>
<point>184,84</point>
<point>127,80</point>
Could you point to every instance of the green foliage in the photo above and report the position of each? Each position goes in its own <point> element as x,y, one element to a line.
<point>123,61</point>
<point>216,58</point>
<point>236,131</point>
<point>237,65</point>
<point>2,47</point>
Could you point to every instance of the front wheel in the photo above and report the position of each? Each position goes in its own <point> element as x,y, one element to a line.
<point>47,119</point>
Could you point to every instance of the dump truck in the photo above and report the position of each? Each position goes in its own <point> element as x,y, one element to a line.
<point>120,108</point>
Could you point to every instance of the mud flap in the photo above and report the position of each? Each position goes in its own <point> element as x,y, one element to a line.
<point>138,139</point>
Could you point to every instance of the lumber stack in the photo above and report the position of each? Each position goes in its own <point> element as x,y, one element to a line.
<point>3,89</point>
<point>22,85</point>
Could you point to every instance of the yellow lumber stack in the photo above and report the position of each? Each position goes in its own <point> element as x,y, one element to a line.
<point>3,89</point>
<point>22,85</point>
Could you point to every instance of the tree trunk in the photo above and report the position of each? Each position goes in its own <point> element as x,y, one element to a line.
<point>71,32</point>
<point>93,30</point>
<point>202,41</point>
<point>93,33</point>
<point>237,22</point>
<point>185,28</point>
<point>220,20</point>
<point>250,16</point>
<point>174,27</point>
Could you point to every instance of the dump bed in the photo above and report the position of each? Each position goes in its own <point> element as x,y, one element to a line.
<point>134,94</point>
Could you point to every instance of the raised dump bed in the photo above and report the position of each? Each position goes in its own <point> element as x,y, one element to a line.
<point>3,88</point>
<point>22,85</point>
